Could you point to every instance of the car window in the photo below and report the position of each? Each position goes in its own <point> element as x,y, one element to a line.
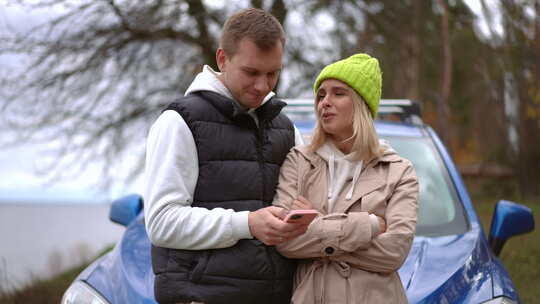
<point>440,212</point>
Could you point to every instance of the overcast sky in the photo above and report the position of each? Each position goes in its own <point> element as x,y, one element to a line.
<point>19,181</point>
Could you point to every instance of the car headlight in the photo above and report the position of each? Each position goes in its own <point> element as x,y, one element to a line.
<point>500,300</point>
<point>81,293</point>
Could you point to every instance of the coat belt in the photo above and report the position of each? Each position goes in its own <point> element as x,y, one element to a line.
<point>342,268</point>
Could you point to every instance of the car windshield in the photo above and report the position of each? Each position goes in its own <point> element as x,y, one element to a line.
<point>440,212</point>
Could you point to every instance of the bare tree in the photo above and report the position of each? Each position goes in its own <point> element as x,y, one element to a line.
<point>96,74</point>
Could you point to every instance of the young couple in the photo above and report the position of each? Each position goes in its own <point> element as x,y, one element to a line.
<point>223,166</point>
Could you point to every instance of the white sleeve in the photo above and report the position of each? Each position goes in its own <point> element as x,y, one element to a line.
<point>170,178</point>
<point>298,139</point>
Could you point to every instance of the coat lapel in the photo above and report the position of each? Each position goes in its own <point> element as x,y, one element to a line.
<point>367,183</point>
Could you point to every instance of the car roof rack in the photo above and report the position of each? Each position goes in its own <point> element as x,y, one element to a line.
<point>401,110</point>
<point>300,108</point>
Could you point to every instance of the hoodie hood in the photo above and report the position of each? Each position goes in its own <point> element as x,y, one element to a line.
<point>208,80</point>
<point>341,169</point>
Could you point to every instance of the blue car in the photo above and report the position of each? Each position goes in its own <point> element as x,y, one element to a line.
<point>451,260</point>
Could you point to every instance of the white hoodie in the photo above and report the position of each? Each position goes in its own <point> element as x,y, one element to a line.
<point>342,168</point>
<point>171,176</point>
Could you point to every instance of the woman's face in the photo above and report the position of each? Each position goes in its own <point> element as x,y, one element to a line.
<point>335,109</point>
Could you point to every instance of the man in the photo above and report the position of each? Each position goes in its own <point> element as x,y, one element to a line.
<point>212,165</point>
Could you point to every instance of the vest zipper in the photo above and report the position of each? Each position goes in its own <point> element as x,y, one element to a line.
<point>260,158</point>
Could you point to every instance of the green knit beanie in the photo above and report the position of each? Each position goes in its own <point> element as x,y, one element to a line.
<point>362,73</point>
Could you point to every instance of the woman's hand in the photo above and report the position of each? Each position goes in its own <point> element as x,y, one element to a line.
<point>382,224</point>
<point>301,203</point>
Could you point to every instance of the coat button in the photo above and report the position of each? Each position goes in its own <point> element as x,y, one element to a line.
<point>329,250</point>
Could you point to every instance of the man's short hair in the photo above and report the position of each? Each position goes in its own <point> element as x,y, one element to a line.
<point>260,26</point>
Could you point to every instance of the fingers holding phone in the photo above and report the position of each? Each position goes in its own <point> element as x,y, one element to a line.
<point>300,219</point>
<point>268,226</point>
<point>303,216</point>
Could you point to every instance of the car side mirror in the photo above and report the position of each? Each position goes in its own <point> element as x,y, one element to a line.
<point>125,209</point>
<point>509,219</point>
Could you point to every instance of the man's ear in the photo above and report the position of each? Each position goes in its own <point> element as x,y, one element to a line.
<point>221,59</point>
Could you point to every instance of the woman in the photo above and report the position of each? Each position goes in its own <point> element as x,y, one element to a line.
<point>366,195</point>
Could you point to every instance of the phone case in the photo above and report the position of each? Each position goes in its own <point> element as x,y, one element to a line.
<point>304,216</point>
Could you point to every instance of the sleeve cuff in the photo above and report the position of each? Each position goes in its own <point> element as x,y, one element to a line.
<point>374,225</point>
<point>330,231</point>
<point>240,225</point>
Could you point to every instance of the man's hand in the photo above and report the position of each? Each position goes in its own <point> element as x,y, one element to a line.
<point>266,225</point>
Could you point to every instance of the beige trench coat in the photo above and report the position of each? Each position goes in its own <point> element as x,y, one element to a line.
<point>341,263</point>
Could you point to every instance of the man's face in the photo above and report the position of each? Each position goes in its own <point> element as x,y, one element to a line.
<point>251,73</point>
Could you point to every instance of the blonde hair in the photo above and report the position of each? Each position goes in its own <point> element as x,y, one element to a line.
<point>365,140</point>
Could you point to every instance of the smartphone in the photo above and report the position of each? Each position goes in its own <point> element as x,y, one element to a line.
<point>301,215</point>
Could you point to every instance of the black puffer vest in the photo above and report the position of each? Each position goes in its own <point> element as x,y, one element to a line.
<point>238,169</point>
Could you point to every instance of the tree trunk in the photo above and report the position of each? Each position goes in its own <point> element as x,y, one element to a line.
<point>443,110</point>
<point>409,54</point>
<point>206,41</point>
<point>529,173</point>
<point>413,89</point>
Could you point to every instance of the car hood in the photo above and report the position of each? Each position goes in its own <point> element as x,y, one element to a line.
<point>125,274</point>
<point>448,269</point>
